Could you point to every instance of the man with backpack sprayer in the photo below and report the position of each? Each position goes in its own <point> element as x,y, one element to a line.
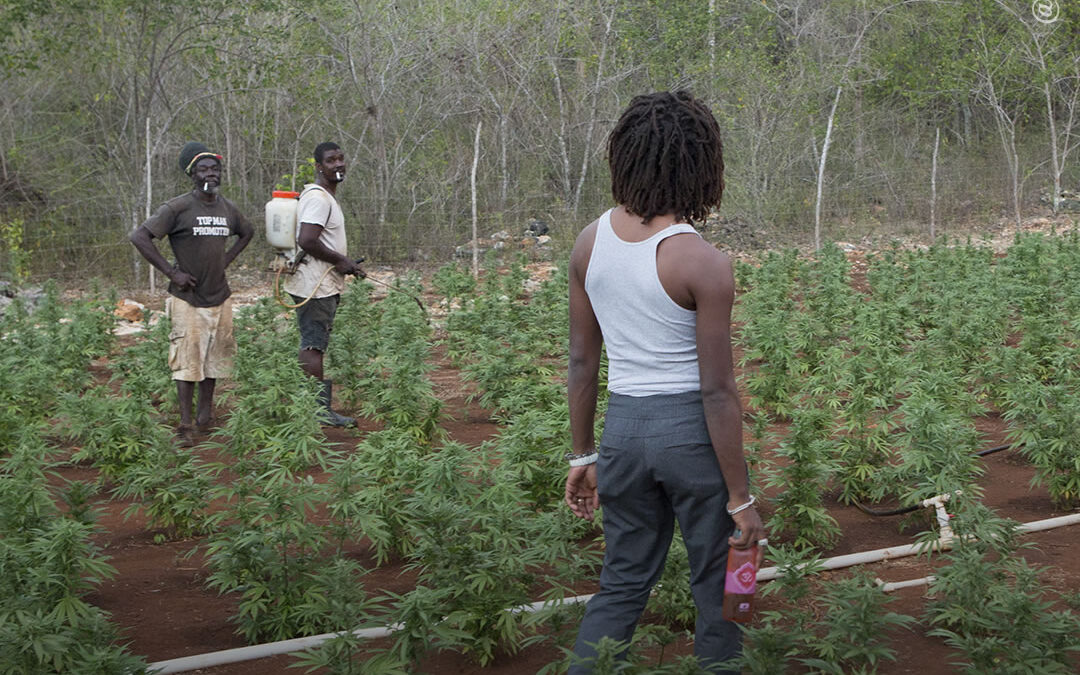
<point>198,223</point>
<point>319,279</point>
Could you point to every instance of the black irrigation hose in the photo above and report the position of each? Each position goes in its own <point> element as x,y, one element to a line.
<point>891,512</point>
<point>908,509</point>
<point>999,448</point>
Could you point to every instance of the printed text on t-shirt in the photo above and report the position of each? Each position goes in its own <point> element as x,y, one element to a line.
<point>211,226</point>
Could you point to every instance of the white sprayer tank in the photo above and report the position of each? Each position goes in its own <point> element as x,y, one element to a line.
<point>281,220</point>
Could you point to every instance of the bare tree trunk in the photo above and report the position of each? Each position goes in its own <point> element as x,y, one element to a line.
<point>564,152</point>
<point>821,171</point>
<point>1056,167</point>
<point>933,182</point>
<point>149,202</point>
<point>1007,133</point>
<point>504,161</point>
<point>587,147</point>
<point>1037,56</point>
<point>472,180</point>
<point>712,37</point>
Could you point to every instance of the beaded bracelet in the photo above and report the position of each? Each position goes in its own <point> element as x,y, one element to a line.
<point>740,509</point>
<point>582,459</point>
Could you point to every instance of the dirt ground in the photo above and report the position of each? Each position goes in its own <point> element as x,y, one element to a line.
<point>159,601</point>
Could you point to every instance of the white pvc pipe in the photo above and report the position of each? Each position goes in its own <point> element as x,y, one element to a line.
<point>943,516</point>
<point>1050,523</point>
<point>896,585</point>
<point>224,657</point>
<point>769,573</point>
<point>188,663</point>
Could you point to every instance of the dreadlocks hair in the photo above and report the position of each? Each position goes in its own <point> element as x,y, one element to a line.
<point>322,148</point>
<point>666,156</point>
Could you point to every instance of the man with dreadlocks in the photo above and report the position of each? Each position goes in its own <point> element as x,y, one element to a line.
<point>198,224</point>
<point>646,285</point>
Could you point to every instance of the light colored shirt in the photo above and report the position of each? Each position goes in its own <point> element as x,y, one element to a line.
<point>318,207</point>
<point>651,340</point>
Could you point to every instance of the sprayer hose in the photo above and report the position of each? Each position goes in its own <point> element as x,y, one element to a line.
<point>277,290</point>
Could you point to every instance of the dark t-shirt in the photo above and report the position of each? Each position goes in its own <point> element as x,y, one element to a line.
<point>198,233</point>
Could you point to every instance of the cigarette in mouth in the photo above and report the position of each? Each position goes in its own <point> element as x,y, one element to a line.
<point>337,174</point>
<point>206,187</point>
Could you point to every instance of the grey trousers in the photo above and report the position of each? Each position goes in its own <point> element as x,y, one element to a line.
<point>657,465</point>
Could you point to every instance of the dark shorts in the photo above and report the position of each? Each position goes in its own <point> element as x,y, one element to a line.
<point>315,319</point>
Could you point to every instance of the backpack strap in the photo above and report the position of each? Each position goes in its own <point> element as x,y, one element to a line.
<point>315,186</point>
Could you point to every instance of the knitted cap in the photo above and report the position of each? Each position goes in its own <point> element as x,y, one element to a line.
<point>192,152</point>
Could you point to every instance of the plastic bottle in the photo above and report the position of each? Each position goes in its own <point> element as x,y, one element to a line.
<point>740,584</point>
<point>281,220</point>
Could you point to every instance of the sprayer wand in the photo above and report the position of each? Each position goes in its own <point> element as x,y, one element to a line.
<point>415,299</point>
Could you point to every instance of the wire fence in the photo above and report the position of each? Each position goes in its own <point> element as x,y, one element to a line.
<point>81,238</point>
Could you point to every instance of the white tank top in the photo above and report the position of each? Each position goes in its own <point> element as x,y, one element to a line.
<point>651,340</point>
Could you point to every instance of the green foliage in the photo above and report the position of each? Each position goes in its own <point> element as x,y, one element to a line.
<point>531,447</point>
<point>142,368</point>
<point>115,432</point>
<point>48,564</point>
<point>905,369</point>
<point>264,544</point>
<point>294,182</point>
<point>173,489</point>
<point>11,240</point>
<point>511,341</point>
<point>338,597</point>
<point>770,354</point>
<point>403,396</point>
<point>1044,418</point>
<point>858,627</point>
<point>480,550</point>
<point>613,657</point>
<point>936,447</point>
<point>991,606</point>
<point>800,508</point>
<point>356,342</point>
<point>454,280</point>
<point>267,549</point>
<point>273,420</point>
<point>46,352</point>
<point>854,639</point>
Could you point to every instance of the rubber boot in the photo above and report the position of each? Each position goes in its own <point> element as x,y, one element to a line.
<point>327,416</point>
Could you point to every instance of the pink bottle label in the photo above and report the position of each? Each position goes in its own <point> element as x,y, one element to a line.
<point>742,579</point>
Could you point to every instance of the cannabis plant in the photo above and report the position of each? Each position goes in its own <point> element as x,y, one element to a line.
<point>266,548</point>
<point>803,476</point>
<point>1044,420</point>
<point>992,606</point>
<point>482,548</point>
<point>338,598</point>
<point>172,488</point>
<point>854,639</point>
<point>48,564</point>
<point>401,393</point>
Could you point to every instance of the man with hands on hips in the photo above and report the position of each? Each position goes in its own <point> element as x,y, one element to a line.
<point>198,224</point>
